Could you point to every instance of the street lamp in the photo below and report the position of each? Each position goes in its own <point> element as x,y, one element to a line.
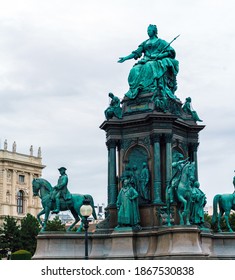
<point>86,211</point>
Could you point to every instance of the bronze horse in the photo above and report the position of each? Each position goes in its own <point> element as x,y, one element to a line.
<point>183,194</point>
<point>226,203</point>
<point>43,189</point>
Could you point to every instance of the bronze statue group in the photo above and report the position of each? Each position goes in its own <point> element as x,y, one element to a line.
<point>136,191</point>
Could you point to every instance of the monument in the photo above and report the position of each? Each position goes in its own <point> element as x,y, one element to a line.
<point>156,129</point>
<point>155,203</point>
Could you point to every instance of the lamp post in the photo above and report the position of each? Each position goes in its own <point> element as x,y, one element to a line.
<point>86,211</point>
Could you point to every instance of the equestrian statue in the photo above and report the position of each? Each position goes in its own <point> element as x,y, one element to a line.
<point>179,190</point>
<point>60,199</point>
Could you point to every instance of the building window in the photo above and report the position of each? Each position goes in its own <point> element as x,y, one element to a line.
<point>21,179</point>
<point>20,202</point>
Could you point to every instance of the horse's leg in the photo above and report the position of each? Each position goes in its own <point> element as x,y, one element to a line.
<point>76,217</point>
<point>188,212</point>
<point>181,217</point>
<point>219,220</point>
<point>168,209</point>
<point>184,212</point>
<point>226,217</point>
<point>39,215</point>
<point>81,225</point>
<point>47,212</point>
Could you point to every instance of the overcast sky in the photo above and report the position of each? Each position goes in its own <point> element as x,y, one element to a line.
<point>58,62</point>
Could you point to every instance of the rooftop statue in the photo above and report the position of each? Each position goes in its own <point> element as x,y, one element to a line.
<point>114,109</point>
<point>156,70</point>
<point>187,108</point>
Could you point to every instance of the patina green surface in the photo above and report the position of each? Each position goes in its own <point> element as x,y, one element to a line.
<point>127,206</point>
<point>198,202</point>
<point>177,167</point>
<point>182,190</point>
<point>114,109</point>
<point>187,108</point>
<point>154,72</point>
<point>44,190</point>
<point>61,190</point>
<point>145,183</point>
<point>139,176</point>
<point>225,203</point>
<point>153,125</point>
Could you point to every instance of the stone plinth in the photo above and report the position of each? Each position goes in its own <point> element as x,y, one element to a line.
<point>179,242</point>
<point>176,242</point>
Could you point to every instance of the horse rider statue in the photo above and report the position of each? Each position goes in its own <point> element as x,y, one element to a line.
<point>177,167</point>
<point>61,190</point>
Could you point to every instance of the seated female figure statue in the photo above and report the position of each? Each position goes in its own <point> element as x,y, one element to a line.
<point>156,71</point>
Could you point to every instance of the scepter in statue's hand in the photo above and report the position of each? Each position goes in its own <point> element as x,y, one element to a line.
<point>162,51</point>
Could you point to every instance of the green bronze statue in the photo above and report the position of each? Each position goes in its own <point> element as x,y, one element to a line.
<point>145,183</point>
<point>44,190</point>
<point>127,206</point>
<point>187,108</point>
<point>198,202</point>
<point>182,191</point>
<point>114,109</point>
<point>225,203</point>
<point>61,190</point>
<point>177,167</point>
<point>156,70</point>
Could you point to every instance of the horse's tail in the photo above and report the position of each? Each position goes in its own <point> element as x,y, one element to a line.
<point>92,205</point>
<point>215,208</point>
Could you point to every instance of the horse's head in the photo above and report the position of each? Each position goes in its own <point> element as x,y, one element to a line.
<point>188,173</point>
<point>36,186</point>
<point>41,184</point>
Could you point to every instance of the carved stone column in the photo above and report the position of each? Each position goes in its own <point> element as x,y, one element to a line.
<point>112,172</point>
<point>168,141</point>
<point>157,183</point>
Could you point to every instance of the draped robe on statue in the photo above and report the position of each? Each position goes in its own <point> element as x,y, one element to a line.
<point>147,74</point>
<point>128,213</point>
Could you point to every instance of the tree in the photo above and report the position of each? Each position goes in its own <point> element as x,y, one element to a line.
<point>29,230</point>
<point>55,225</point>
<point>10,235</point>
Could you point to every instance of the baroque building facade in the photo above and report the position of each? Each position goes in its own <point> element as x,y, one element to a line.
<point>16,174</point>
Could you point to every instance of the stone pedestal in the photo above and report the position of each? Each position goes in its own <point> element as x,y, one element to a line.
<point>177,242</point>
<point>145,135</point>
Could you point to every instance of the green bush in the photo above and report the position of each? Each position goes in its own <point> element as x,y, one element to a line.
<point>21,255</point>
